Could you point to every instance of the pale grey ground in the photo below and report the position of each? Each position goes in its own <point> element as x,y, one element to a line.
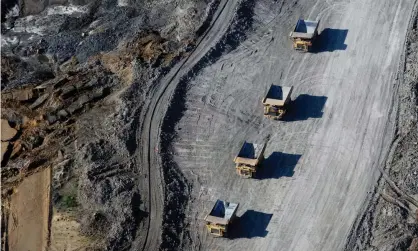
<point>323,158</point>
<point>320,162</point>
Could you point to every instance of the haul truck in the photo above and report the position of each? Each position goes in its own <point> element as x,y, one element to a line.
<point>276,101</point>
<point>304,34</point>
<point>220,217</point>
<point>249,158</point>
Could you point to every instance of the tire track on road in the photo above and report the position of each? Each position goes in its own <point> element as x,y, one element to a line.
<point>150,137</point>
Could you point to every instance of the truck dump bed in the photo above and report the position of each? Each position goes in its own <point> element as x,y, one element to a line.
<point>305,29</point>
<point>250,154</point>
<point>277,95</point>
<point>222,212</point>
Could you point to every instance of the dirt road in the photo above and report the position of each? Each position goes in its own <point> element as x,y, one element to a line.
<point>320,162</point>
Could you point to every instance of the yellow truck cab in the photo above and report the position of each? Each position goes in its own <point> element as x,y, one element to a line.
<point>276,101</point>
<point>220,218</point>
<point>249,158</point>
<point>304,34</point>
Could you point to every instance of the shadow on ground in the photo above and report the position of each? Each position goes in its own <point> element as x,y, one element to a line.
<point>251,224</point>
<point>330,40</point>
<point>304,107</point>
<point>278,165</point>
<point>137,204</point>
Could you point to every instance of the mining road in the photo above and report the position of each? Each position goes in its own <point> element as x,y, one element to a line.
<point>320,166</point>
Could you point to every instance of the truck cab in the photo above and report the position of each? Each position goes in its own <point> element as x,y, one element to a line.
<point>249,158</point>
<point>304,34</point>
<point>220,218</point>
<point>276,101</point>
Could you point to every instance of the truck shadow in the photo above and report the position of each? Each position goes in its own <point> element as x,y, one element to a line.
<point>278,165</point>
<point>251,224</point>
<point>330,40</point>
<point>304,107</point>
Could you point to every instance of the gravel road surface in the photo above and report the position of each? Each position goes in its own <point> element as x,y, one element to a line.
<point>321,161</point>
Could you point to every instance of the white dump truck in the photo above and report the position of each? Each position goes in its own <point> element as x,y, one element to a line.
<point>304,34</point>
<point>249,158</point>
<point>220,217</point>
<point>276,101</point>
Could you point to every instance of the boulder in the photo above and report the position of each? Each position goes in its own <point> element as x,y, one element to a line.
<point>39,101</point>
<point>51,118</point>
<point>62,114</point>
<point>19,95</point>
<point>68,91</point>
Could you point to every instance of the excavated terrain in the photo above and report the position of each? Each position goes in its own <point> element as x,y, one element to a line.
<point>138,108</point>
<point>75,78</point>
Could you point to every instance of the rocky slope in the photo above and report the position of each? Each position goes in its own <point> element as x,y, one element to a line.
<point>75,76</point>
